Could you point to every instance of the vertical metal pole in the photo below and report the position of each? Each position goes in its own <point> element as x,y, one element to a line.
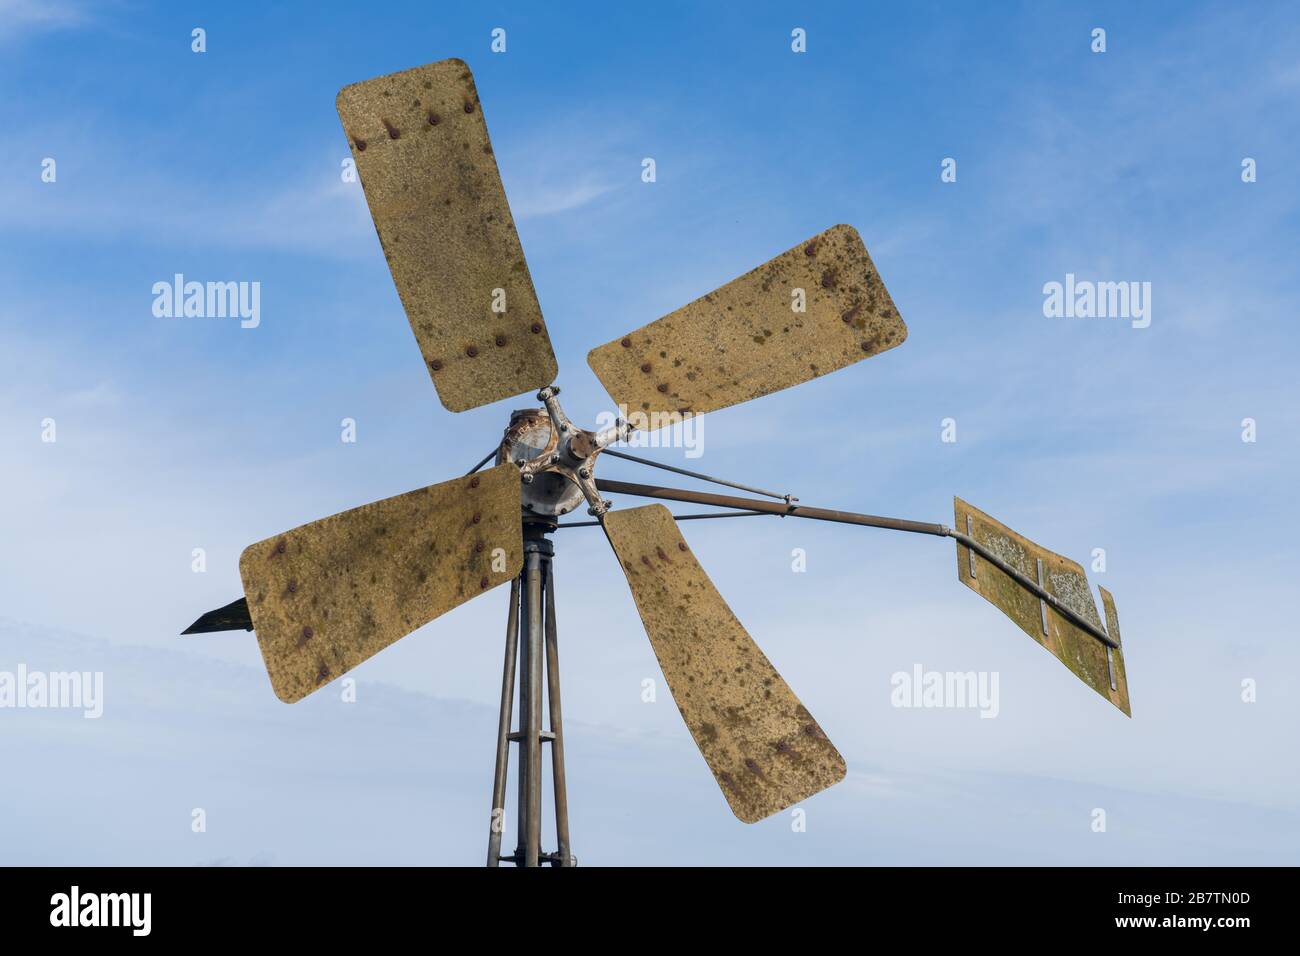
<point>520,736</point>
<point>531,742</point>
<point>498,821</point>
<point>557,724</point>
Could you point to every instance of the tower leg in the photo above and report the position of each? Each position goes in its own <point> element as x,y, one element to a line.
<point>530,757</point>
<point>503,730</point>
<point>563,856</point>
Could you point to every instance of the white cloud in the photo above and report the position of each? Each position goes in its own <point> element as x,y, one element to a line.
<point>21,17</point>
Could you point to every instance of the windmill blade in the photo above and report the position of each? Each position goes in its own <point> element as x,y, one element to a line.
<point>328,595</point>
<point>422,151</point>
<point>762,745</point>
<point>747,339</point>
<point>1096,664</point>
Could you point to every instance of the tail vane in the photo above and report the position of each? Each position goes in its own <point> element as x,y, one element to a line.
<point>1097,664</point>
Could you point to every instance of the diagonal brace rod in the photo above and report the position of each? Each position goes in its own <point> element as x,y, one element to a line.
<point>696,474</point>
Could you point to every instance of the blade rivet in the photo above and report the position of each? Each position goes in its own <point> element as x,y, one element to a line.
<point>478,547</point>
<point>645,367</point>
<point>477,518</point>
<point>535,327</point>
<point>472,351</point>
<point>293,586</point>
<point>828,280</point>
<point>323,674</point>
<point>469,107</point>
<point>361,145</point>
<point>752,766</point>
<point>483,583</point>
<point>626,343</point>
<point>473,482</point>
<point>279,548</point>
<point>663,387</point>
<point>433,118</point>
<point>500,340</point>
<point>810,249</point>
<point>681,545</point>
<point>392,130</point>
<point>435,365</point>
<point>866,346</point>
<point>307,633</point>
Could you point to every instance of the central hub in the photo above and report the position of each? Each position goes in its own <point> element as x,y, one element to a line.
<point>556,459</point>
<point>531,442</point>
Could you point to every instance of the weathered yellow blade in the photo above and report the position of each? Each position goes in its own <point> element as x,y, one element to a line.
<point>422,151</point>
<point>328,595</point>
<point>762,745</point>
<point>1093,662</point>
<point>748,338</point>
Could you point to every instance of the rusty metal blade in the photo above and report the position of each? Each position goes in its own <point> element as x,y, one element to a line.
<point>745,339</point>
<point>1082,653</point>
<point>328,595</point>
<point>231,617</point>
<point>422,151</point>
<point>762,745</point>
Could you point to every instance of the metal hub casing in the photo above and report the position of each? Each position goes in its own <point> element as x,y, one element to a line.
<point>529,435</point>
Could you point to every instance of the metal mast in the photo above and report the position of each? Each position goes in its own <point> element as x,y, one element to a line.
<point>532,654</point>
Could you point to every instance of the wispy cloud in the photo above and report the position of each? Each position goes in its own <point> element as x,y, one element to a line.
<point>547,200</point>
<point>21,17</point>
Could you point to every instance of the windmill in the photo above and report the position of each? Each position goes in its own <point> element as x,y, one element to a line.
<point>324,597</point>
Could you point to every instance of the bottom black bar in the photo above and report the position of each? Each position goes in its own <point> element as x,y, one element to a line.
<point>327,905</point>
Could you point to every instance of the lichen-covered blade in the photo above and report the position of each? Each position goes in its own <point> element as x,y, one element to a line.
<point>750,337</point>
<point>762,745</point>
<point>422,151</point>
<point>328,595</point>
<point>1098,666</point>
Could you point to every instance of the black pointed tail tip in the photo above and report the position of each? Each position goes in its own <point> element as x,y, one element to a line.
<point>233,617</point>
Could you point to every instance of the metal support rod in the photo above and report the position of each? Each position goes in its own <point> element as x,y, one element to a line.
<point>749,504</point>
<point>530,756</point>
<point>520,737</point>
<point>873,521</point>
<point>503,730</point>
<point>563,856</point>
<point>492,454</point>
<point>710,514</point>
<point>699,475</point>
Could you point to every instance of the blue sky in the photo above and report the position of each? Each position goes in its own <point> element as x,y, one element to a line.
<point>1121,166</point>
